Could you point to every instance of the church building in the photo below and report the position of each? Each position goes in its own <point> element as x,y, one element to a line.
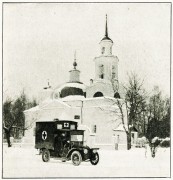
<point>93,107</point>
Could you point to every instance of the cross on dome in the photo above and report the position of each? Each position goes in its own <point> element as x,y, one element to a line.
<point>74,63</point>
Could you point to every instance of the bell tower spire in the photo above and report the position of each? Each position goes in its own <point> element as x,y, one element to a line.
<point>106,43</point>
<point>106,28</point>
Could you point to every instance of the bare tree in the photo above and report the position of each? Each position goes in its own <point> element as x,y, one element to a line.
<point>157,106</point>
<point>136,96</point>
<point>126,125</point>
<point>8,119</point>
<point>158,114</point>
<point>118,110</point>
<point>13,116</point>
<point>134,103</point>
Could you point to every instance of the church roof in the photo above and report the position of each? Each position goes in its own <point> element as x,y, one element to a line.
<point>72,84</point>
<point>120,128</point>
<point>33,109</point>
<point>107,38</point>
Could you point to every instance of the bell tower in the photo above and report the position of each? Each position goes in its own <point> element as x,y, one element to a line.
<point>106,65</point>
<point>106,69</point>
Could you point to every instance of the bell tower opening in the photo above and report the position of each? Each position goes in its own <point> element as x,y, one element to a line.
<point>101,71</point>
<point>117,95</point>
<point>98,94</point>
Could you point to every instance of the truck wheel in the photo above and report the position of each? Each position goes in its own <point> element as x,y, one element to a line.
<point>45,155</point>
<point>94,159</point>
<point>76,158</point>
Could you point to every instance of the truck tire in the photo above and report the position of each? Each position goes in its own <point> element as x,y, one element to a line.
<point>76,158</point>
<point>46,155</point>
<point>94,158</point>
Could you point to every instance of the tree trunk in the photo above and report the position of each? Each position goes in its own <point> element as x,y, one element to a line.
<point>128,141</point>
<point>7,132</point>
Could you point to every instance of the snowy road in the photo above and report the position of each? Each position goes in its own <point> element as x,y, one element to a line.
<point>26,163</point>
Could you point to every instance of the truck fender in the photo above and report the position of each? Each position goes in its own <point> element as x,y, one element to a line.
<point>71,151</point>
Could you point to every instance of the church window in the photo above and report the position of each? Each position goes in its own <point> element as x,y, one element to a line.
<point>117,95</point>
<point>98,94</point>
<point>110,50</point>
<point>76,117</point>
<point>103,50</point>
<point>113,72</point>
<point>94,128</point>
<point>101,71</point>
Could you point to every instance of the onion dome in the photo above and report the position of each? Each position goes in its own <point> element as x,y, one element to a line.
<point>72,88</point>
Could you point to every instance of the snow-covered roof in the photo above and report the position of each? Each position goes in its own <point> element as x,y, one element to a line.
<point>50,101</point>
<point>120,128</point>
<point>73,98</point>
<point>36,108</point>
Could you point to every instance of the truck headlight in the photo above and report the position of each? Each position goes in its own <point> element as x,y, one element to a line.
<point>85,151</point>
<point>94,150</point>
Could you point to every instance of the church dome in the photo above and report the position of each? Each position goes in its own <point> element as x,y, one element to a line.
<point>74,87</point>
<point>70,89</point>
<point>107,38</point>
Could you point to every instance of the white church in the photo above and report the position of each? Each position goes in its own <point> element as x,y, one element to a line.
<point>93,107</point>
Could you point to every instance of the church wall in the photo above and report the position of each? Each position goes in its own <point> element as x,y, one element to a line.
<point>105,88</point>
<point>103,121</point>
<point>95,112</point>
<point>122,142</point>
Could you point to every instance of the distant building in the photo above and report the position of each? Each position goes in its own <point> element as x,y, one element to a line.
<point>93,107</point>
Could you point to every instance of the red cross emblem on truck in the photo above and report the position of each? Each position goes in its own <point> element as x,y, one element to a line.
<point>44,135</point>
<point>66,124</point>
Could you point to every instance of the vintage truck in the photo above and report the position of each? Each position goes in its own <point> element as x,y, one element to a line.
<point>62,139</point>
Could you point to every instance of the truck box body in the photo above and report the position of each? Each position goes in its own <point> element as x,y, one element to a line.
<point>47,130</point>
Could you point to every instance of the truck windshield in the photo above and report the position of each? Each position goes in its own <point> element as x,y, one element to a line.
<point>76,137</point>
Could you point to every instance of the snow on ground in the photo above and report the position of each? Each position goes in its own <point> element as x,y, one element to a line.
<point>24,162</point>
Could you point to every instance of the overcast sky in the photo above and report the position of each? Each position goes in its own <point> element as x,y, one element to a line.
<point>39,40</point>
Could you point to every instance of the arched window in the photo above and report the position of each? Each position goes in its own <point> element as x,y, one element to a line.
<point>98,94</point>
<point>101,71</point>
<point>103,50</point>
<point>116,95</point>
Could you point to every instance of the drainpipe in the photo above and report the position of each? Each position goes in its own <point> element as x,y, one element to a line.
<point>82,112</point>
